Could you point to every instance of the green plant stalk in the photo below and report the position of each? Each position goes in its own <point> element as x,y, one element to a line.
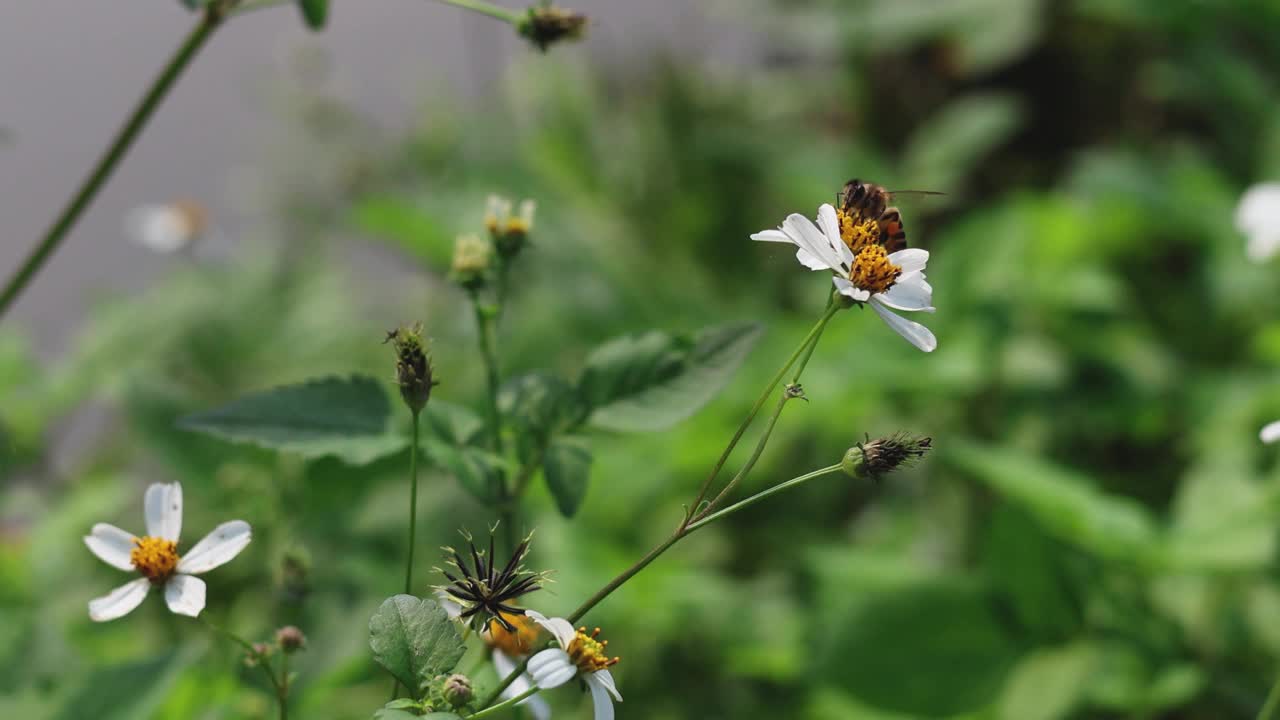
<point>748,502</point>
<point>114,153</point>
<point>488,351</point>
<point>413,506</point>
<point>751,461</point>
<point>805,348</point>
<point>485,8</point>
<point>1268,711</point>
<point>510,702</point>
<point>281,688</point>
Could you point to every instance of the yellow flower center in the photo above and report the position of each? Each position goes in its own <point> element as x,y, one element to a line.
<point>872,271</point>
<point>857,231</point>
<point>588,653</point>
<point>156,558</point>
<point>513,644</point>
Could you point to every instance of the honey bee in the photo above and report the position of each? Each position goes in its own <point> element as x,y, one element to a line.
<point>868,200</point>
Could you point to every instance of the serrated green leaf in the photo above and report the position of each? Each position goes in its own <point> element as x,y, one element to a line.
<point>407,226</point>
<point>1063,502</point>
<point>1048,683</point>
<point>314,13</point>
<point>654,380</point>
<point>340,417</point>
<point>478,471</point>
<point>567,468</point>
<point>453,423</point>
<point>537,405</point>
<point>414,639</point>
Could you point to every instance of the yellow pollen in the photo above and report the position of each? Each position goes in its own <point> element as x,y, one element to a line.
<point>872,270</point>
<point>856,231</point>
<point>156,558</point>
<point>512,644</point>
<point>588,653</point>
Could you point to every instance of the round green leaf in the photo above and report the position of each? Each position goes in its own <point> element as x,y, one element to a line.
<point>414,639</point>
<point>567,467</point>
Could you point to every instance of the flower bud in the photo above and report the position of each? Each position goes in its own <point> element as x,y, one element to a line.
<point>472,256</point>
<point>546,25</point>
<point>260,650</point>
<point>883,455</point>
<point>290,639</point>
<point>457,690</point>
<point>413,367</point>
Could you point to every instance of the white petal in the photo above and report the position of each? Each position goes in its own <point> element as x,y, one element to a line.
<point>808,260</point>
<point>164,511</point>
<point>1259,208</point>
<point>910,292</point>
<point>830,226</point>
<point>560,628</point>
<point>161,228</point>
<point>773,236</point>
<point>217,548</point>
<point>119,602</point>
<point>111,544</point>
<point>605,678</point>
<point>848,289</point>
<point>600,700</point>
<point>1262,245</point>
<point>807,236</point>
<point>914,332</point>
<point>910,259</point>
<point>451,606</point>
<point>551,668</point>
<point>185,595</point>
<point>504,666</point>
<point>1271,432</point>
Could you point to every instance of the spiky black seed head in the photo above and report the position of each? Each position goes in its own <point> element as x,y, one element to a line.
<point>414,373</point>
<point>486,589</point>
<point>874,458</point>
<point>546,25</point>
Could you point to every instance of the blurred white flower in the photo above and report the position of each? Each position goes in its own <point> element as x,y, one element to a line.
<point>509,648</point>
<point>155,557</point>
<point>1258,217</point>
<point>166,228</point>
<point>886,281</point>
<point>579,653</point>
<point>1270,432</point>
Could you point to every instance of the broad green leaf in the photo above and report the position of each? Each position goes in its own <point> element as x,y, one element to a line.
<point>414,639</point>
<point>944,150</point>
<point>455,424</point>
<point>1063,502</point>
<point>933,649</point>
<point>388,713</point>
<point>314,13</point>
<point>538,405</point>
<point>654,380</point>
<point>478,471</point>
<point>567,467</point>
<point>407,226</point>
<point>341,417</point>
<point>1048,684</point>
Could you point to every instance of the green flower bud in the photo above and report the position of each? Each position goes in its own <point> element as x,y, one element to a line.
<point>457,690</point>
<point>884,455</point>
<point>413,366</point>
<point>546,25</point>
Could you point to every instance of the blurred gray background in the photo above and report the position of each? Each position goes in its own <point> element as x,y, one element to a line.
<point>70,71</point>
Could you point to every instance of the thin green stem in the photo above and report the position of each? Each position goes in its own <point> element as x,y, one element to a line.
<point>263,661</point>
<point>1268,711</point>
<point>805,345</point>
<point>283,688</point>
<point>253,5</point>
<point>747,502</point>
<point>488,351</point>
<point>755,454</point>
<point>413,507</point>
<point>114,153</point>
<point>485,8</point>
<point>510,702</point>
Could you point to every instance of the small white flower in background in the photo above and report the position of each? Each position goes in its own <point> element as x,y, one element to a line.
<point>1258,217</point>
<point>508,650</point>
<point>886,281</point>
<point>166,228</point>
<point>579,653</point>
<point>1270,432</point>
<point>155,557</point>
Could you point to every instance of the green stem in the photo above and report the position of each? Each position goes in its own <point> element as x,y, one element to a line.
<point>106,164</point>
<point>805,345</point>
<point>747,502</point>
<point>1268,710</point>
<point>502,705</point>
<point>485,8</point>
<point>413,507</point>
<point>283,689</point>
<point>263,660</point>
<point>488,351</point>
<point>253,5</point>
<point>755,454</point>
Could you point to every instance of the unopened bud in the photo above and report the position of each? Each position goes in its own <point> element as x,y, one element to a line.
<point>457,690</point>
<point>413,367</point>
<point>546,25</point>
<point>472,256</point>
<point>290,639</point>
<point>884,455</point>
<point>260,650</point>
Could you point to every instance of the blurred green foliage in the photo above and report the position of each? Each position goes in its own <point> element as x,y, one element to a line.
<point>1094,537</point>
